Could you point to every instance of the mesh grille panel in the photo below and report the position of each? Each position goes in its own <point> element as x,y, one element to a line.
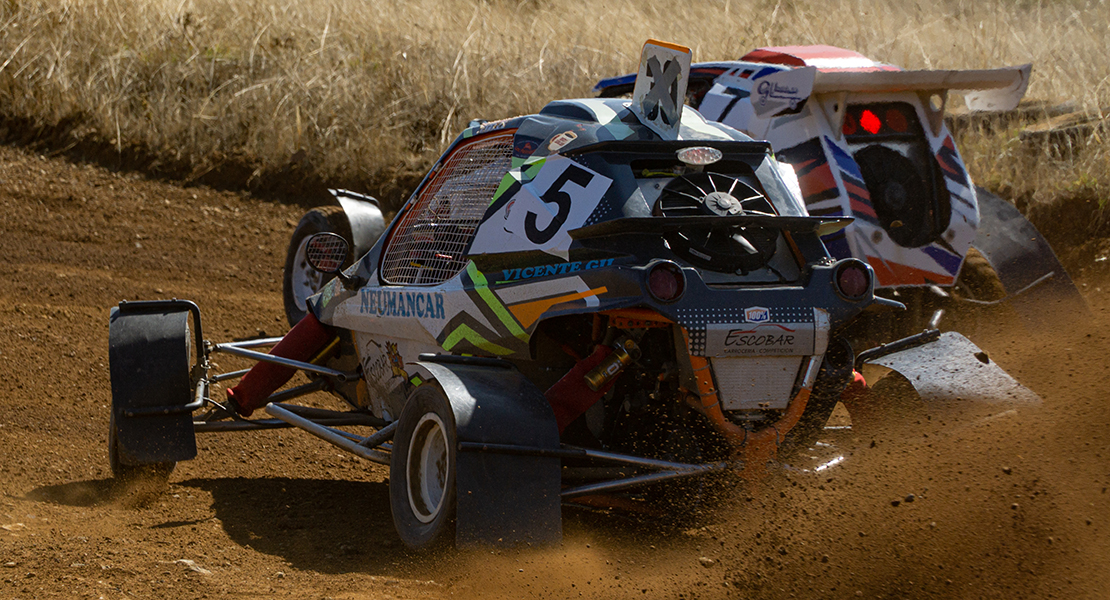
<point>755,383</point>
<point>431,240</point>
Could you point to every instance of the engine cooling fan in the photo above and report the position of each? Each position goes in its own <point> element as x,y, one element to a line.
<point>728,249</point>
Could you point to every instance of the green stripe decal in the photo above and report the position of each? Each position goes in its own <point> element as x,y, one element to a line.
<point>531,167</point>
<point>465,333</point>
<point>506,182</point>
<point>482,287</point>
<point>519,173</point>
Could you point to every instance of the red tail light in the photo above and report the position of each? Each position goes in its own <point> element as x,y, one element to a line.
<point>666,281</point>
<point>853,279</point>
<point>881,118</point>
<point>870,122</point>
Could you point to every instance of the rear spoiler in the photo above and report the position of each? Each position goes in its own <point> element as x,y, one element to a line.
<point>658,225</point>
<point>990,89</point>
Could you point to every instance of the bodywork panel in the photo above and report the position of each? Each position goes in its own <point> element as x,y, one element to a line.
<point>807,133</point>
<point>953,373</point>
<point>502,498</point>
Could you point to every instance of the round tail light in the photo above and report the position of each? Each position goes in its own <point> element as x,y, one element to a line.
<point>666,281</point>
<point>853,279</point>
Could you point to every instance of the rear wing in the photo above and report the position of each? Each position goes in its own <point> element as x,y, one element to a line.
<point>989,89</point>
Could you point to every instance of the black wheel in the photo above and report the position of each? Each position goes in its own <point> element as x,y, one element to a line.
<point>892,407</point>
<point>979,282</point>
<point>150,356</point>
<point>912,205</point>
<point>154,476</point>
<point>422,470</point>
<point>300,279</point>
<point>832,378</point>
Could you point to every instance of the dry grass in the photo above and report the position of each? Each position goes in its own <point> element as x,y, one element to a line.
<point>361,92</point>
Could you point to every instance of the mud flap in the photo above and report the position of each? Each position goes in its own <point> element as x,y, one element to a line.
<point>503,499</point>
<point>1022,257</point>
<point>365,218</point>
<point>953,375</point>
<point>152,393</point>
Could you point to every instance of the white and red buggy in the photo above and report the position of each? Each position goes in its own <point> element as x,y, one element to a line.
<point>868,140</point>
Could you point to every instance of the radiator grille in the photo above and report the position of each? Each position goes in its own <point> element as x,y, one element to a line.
<point>756,383</point>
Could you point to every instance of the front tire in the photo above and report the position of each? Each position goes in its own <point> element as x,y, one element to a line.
<point>835,375</point>
<point>149,359</point>
<point>422,470</point>
<point>154,476</point>
<point>300,280</point>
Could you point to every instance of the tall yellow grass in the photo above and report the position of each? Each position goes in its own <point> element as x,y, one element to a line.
<point>357,91</point>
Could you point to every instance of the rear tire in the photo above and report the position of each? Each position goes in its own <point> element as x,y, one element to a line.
<point>300,280</point>
<point>978,279</point>
<point>422,470</point>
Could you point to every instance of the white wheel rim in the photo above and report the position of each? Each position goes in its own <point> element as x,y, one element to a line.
<point>305,280</point>
<point>428,466</point>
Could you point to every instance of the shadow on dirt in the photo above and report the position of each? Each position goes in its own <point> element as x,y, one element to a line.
<point>337,527</point>
<point>137,492</point>
<point>334,527</point>
<point>76,493</point>
<point>322,525</point>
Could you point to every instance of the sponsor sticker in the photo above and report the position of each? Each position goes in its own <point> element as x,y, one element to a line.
<point>757,314</point>
<point>561,140</point>
<point>523,147</point>
<point>550,270</point>
<point>782,91</point>
<point>763,339</point>
<point>387,303</point>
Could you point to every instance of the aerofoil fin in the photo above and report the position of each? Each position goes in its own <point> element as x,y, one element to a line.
<point>660,90</point>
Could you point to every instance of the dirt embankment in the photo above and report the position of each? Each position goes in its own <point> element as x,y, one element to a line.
<point>1014,507</point>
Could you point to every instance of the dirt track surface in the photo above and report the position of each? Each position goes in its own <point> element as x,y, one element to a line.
<point>1013,507</point>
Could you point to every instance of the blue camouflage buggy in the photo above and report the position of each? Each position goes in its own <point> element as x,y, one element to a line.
<point>610,303</point>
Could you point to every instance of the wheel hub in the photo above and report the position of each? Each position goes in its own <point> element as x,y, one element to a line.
<point>428,467</point>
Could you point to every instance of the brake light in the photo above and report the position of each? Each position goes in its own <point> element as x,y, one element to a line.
<point>893,118</point>
<point>870,122</point>
<point>853,279</point>
<point>666,281</point>
<point>699,155</point>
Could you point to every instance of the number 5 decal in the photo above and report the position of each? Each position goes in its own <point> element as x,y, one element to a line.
<point>557,195</point>
<point>560,198</point>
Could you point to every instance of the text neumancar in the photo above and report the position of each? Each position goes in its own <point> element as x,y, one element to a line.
<point>386,303</point>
